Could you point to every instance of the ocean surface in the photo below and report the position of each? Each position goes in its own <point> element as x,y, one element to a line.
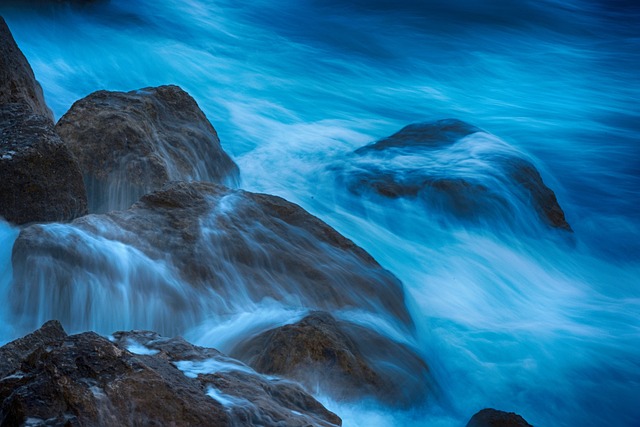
<point>516,317</point>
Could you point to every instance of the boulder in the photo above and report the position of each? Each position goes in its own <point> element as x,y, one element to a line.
<point>493,418</point>
<point>131,143</point>
<point>41,181</point>
<point>230,381</point>
<point>454,169</point>
<point>342,359</point>
<point>17,81</point>
<point>85,379</point>
<point>195,250</point>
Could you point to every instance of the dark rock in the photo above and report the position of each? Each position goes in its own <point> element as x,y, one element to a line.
<point>129,144</point>
<point>17,81</point>
<point>228,248</point>
<point>433,135</point>
<point>172,349</point>
<point>13,353</point>
<point>494,418</point>
<point>233,381</point>
<point>344,360</point>
<point>86,380</point>
<point>475,180</point>
<point>41,181</point>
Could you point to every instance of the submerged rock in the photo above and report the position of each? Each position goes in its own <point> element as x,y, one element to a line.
<point>129,144</point>
<point>456,169</point>
<point>85,379</point>
<point>344,360</point>
<point>17,81</point>
<point>493,418</point>
<point>41,181</point>
<point>195,250</point>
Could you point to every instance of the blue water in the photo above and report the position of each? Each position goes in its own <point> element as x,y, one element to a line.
<point>543,325</point>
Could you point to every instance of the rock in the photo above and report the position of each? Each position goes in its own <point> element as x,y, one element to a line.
<point>17,81</point>
<point>41,181</point>
<point>13,353</point>
<point>494,418</point>
<point>344,360</point>
<point>196,250</point>
<point>129,144</point>
<point>86,380</point>
<point>454,168</point>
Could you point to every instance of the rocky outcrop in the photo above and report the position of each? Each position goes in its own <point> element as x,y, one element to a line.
<point>85,379</point>
<point>454,168</point>
<point>17,81</point>
<point>494,418</point>
<point>343,359</point>
<point>196,249</point>
<point>129,144</point>
<point>41,181</point>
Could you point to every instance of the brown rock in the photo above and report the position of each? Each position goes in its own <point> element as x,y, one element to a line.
<point>17,81</point>
<point>129,144</point>
<point>41,181</point>
<point>345,360</point>
<point>228,248</point>
<point>496,183</point>
<point>86,380</point>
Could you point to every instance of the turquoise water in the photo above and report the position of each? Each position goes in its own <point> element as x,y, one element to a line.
<point>536,323</point>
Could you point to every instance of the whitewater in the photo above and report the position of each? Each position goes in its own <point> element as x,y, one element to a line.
<point>508,313</point>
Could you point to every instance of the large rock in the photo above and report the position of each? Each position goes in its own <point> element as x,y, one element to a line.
<point>344,360</point>
<point>129,144</point>
<point>455,169</point>
<point>17,82</point>
<point>87,380</point>
<point>41,181</point>
<point>493,418</point>
<point>191,251</point>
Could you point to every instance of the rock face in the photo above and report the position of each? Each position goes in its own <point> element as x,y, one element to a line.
<point>345,360</point>
<point>195,249</point>
<point>85,379</point>
<point>494,418</point>
<point>455,169</point>
<point>17,82</point>
<point>41,181</point>
<point>129,144</point>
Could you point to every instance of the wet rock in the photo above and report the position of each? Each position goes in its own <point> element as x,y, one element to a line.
<point>246,395</point>
<point>129,144</point>
<point>17,81</point>
<point>344,360</point>
<point>494,418</point>
<point>13,353</point>
<point>41,181</point>
<point>454,168</point>
<point>86,380</point>
<point>196,250</point>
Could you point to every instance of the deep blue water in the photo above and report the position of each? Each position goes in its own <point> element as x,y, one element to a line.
<point>541,325</point>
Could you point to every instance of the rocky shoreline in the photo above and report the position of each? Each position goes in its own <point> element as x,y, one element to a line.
<point>146,170</point>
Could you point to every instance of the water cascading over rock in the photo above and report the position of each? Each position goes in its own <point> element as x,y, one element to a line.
<point>131,143</point>
<point>456,171</point>
<point>341,358</point>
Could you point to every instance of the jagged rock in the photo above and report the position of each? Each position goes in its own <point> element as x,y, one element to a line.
<point>345,360</point>
<point>17,81</point>
<point>13,353</point>
<point>41,181</point>
<point>493,418</point>
<point>129,144</point>
<point>195,249</point>
<point>472,178</point>
<point>86,380</point>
